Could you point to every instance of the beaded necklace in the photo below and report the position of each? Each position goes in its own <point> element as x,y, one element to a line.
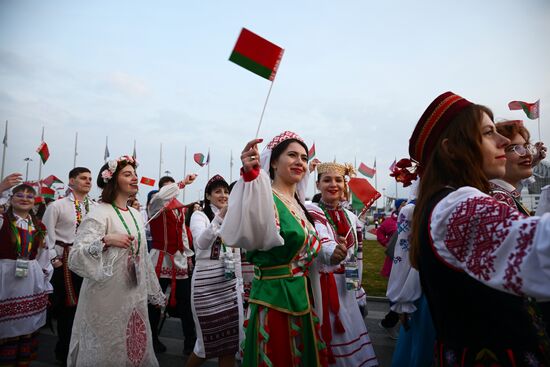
<point>323,207</point>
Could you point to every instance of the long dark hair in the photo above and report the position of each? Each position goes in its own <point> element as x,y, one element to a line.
<point>275,154</point>
<point>110,188</point>
<point>460,165</point>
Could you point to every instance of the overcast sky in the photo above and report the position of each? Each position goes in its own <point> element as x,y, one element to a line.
<point>355,76</point>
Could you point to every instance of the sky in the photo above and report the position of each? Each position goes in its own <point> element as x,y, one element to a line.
<point>355,77</point>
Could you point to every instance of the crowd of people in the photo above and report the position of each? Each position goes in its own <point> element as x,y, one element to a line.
<point>257,274</point>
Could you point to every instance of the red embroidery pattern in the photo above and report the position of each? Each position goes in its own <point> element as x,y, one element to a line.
<point>168,272</point>
<point>475,230</point>
<point>503,198</point>
<point>282,137</point>
<point>512,280</point>
<point>136,338</point>
<point>21,307</point>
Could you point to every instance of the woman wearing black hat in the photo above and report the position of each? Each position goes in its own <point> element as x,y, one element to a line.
<point>217,307</point>
<point>477,258</point>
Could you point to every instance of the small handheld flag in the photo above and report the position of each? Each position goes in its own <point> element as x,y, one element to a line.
<point>366,170</point>
<point>43,151</point>
<point>364,191</point>
<point>199,159</point>
<point>147,181</point>
<point>311,153</point>
<point>531,109</point>
<point>257,54</point>
<point>46,192</point>
<point>50,180</point>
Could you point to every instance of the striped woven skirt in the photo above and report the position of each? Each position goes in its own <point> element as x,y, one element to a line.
<point>215,311</point>
<point>18,351</point>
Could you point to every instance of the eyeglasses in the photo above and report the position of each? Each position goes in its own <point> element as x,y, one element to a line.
<point>522,150</point>
<point>20,195</point>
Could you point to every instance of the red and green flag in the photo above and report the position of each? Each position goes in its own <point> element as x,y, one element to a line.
<point>43,151</point>
<point>147,181</point>
<point>257,54</point>
<point>531,109</point>
<point>46,192</point>
<point>311,152</point>
<point>200,159</point>
<point>366,170</point>
<point>50,180</point>
<point>363,190</point>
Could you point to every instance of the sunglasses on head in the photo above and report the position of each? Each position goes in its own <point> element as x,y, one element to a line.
<point>522,150</point>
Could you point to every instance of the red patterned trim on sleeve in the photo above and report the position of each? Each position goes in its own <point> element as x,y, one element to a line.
<point>476,229</point>
<point>512,280</point>
<point>250,175</point>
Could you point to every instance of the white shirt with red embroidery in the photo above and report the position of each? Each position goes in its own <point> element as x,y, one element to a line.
<point>404,283</point>
<point>493,243</point>
<point>23,300</point>
<point>60,221</point>
<point>181,260</point>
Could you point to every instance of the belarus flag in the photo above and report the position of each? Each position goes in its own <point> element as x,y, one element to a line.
<point>530,109</point>
<point>366,170</point>
<point>43,151</point>
<point>257,54</point>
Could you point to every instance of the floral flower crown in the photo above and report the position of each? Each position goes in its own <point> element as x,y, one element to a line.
<point>112,165</point>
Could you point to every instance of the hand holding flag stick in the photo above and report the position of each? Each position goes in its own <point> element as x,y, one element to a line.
<point>188,180</point>
<point>175,203</point>
<point>250,156</point>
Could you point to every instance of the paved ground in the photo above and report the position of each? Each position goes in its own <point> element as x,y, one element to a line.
<point>172,337</point>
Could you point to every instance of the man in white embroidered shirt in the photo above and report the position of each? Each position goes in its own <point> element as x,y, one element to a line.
<point>62,218</point>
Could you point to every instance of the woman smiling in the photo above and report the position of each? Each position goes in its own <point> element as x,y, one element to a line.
<point>111,326</point>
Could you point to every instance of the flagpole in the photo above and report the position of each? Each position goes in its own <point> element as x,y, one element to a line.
<point>263,110</point>
<point>376,182</point>
<point>396,196</point>
<point>208,168</point>
<point>75,145</point>
<point>231,167</point>
<point>40,161</point>
<point>4,150</point>
<point>106,154</point>
<point>184,172</point>
<point>160,161</point>
<point>134,154</point>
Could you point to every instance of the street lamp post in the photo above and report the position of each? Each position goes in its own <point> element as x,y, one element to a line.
<point>27,169</point>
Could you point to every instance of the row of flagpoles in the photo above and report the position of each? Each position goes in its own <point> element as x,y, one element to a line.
<point>262,58</point>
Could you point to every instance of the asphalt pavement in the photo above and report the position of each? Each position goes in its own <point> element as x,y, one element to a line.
<point>172,337</point>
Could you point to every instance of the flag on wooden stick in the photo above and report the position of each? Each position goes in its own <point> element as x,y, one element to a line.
<point>43,151</point>
<point>531,109</point>
<point>257,54</point>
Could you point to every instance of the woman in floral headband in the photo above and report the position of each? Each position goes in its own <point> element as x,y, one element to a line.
<point>267,217</point>
<point>111,326</point>
<point>477,258</point>
<point>342,326</point>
